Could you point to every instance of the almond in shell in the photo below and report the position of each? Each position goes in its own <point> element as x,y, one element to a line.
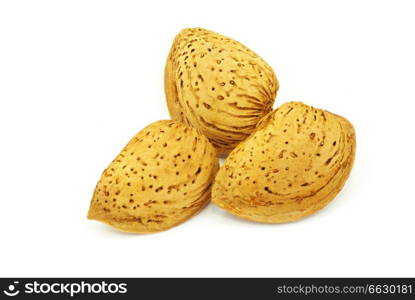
<point>218,85</point>
<point>160,179</point>
<point>294,164</point>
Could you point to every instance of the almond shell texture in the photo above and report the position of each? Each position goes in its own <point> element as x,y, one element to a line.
<point>294,164</point>
<point>217,85</point>
<point>159,180</point>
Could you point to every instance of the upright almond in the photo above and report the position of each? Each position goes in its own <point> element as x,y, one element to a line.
<point>218,85</point>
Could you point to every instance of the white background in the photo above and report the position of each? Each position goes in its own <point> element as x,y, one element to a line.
<point>79,78</point>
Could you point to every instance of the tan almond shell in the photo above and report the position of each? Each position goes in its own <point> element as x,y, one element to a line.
<point>159,180</point>
<point>294,164</point>
<point>217,85</point>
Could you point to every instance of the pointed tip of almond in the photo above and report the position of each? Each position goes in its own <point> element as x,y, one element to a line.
<point>92,214</point>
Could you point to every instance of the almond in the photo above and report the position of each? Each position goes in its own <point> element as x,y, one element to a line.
<point>294,164</point>
<point>159,180</point>
<point>217,85</point>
